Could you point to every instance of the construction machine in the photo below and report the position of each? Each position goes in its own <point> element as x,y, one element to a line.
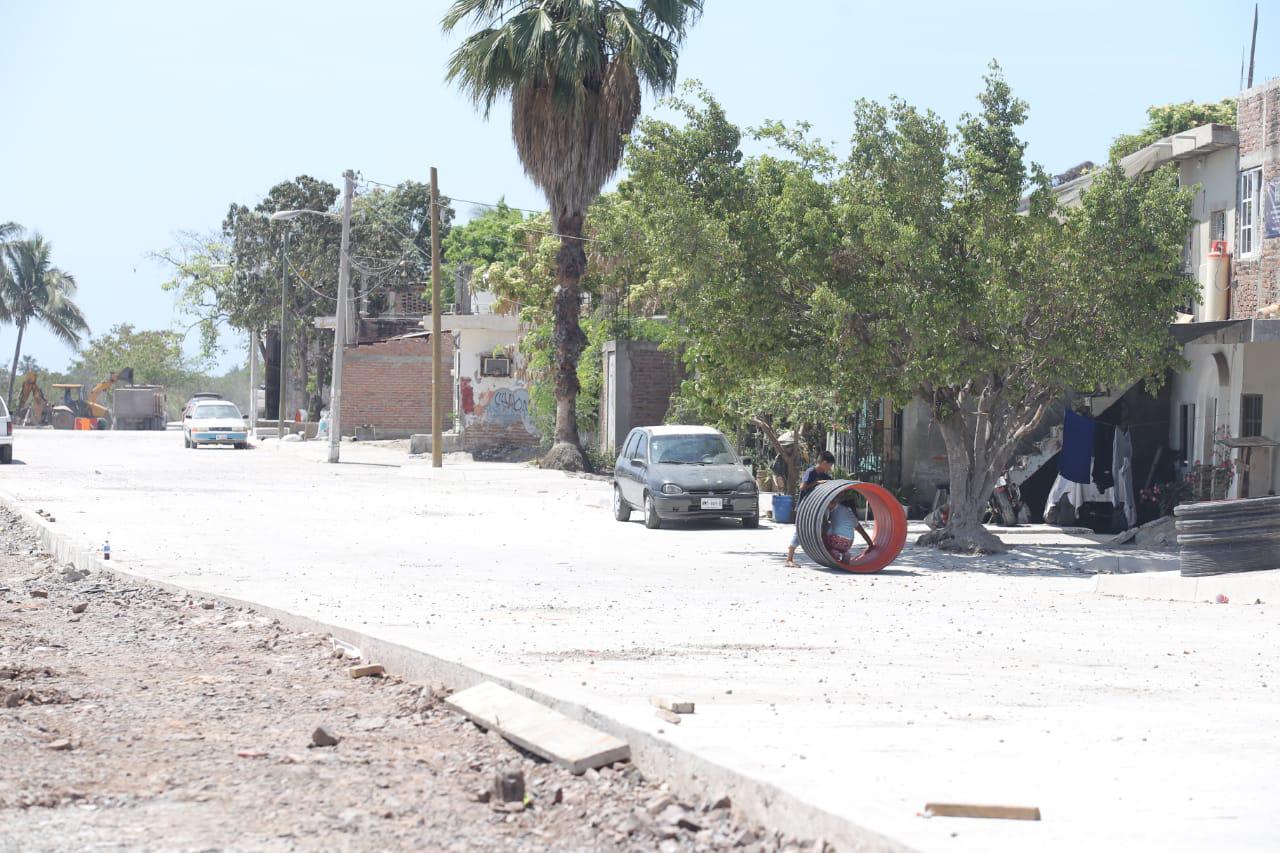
<point>79,410</point>
<point>33,408</point>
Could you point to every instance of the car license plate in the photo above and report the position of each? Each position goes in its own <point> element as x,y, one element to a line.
<point>713,503</point>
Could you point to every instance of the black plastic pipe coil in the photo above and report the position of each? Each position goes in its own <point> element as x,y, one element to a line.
<point>1227,537</point>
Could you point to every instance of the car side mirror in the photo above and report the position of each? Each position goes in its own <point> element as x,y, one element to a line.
<point>244,417</point>
<point>746,461</point>
<point>637,463</point>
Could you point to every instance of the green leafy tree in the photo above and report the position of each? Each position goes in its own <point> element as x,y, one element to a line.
<point>488,238</point>
<point>911,268</point>
<point>1168,119</point>
<point>33,290</point>
<point>391,241</point>
<point>574,70</point>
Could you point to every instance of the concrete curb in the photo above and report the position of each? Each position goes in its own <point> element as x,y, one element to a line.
<point>689,775</point>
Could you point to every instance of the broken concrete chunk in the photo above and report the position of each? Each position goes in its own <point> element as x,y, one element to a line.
<point>670,717</point>
<point>673,704</point>
<point>323,737</point>
<point>658,803</point>
<point>369,670</point>
<point>59,745</point>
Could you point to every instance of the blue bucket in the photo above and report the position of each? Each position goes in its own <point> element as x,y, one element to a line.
<point>783,506</point>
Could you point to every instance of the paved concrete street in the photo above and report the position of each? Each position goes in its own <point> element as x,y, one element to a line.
<point>1132,724</point>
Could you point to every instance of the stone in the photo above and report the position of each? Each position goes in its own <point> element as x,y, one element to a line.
<point>59,745</point>
<point>369,670</point>
<point>673,704</point>
<point>323,737</point>
<point>80,607</point>
<point>508,785</point>
<point>658,803</point>
<point>207,605</point>
<point>722,802</point>
<point>39,593</point>
<point>668,716</point>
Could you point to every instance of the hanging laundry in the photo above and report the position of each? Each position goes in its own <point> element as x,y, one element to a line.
<point>1077,448</point>
<point>1123,462</point>
<point>1104,440</point>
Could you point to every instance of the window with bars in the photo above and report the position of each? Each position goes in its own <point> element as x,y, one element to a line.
<point>1250,415</point>
<point>1250,190</point>
<point>1218,225</point>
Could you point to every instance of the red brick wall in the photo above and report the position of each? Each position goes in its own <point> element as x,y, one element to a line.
<point>388,384</point>
<point>655,376</point>
<point>1256,280</point>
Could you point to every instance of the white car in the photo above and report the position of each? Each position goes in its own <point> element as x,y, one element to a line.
<point>214,422</point>
<point>6,434</point>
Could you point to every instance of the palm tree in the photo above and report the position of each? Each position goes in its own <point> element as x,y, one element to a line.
<point>574,70</point>
<point>32,289</point>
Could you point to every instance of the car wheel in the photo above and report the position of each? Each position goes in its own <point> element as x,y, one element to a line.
<point>241,445</point>
<point>6,454</point>
<point>621,509</point>
<point>751,522</point>
<point>651,519</point>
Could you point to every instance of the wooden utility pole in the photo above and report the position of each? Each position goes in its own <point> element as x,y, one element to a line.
<point>437,372</point>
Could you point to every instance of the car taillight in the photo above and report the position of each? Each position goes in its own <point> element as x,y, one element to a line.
<point>8,427</point>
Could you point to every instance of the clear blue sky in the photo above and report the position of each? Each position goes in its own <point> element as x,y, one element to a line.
<point>131,120</point>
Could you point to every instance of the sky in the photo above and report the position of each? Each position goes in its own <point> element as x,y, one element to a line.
<point>130,121</point>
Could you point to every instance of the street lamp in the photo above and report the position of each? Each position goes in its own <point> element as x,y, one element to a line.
<point>285,216</point>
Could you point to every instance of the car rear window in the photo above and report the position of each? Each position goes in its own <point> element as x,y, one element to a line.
<point>221,410</point>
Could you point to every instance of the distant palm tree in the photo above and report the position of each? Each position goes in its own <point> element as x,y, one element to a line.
<point>32,289</point>
<point>574,71</point>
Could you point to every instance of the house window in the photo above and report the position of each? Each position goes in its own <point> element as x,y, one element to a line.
<point>1218,225</point>
<point>1187,430</point>
<point>1250,190</point>
<point>1250,415</point>
<point>495,365</point>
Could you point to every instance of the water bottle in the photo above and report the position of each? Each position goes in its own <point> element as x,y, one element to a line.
<point>106,550</point>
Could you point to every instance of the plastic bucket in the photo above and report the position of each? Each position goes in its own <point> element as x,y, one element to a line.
<point>783,505</point>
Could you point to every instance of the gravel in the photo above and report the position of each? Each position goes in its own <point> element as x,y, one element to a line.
<point>134,718</point>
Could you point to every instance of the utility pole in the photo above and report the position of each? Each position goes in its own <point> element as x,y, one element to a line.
<point>1253,47</point>
<point>253,382</point>
<point>437,396</point>
<point>340,318</point>
<point>284,333</point>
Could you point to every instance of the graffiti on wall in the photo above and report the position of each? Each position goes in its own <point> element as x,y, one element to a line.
<point>502,408</point>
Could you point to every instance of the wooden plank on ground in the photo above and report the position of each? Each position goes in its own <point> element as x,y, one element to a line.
<point>970,810</point>
<point>535,727</point>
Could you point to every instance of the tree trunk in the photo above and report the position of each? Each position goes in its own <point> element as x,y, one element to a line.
<point>13,369</point>
<point>973,476</point>
<point>569,342</point>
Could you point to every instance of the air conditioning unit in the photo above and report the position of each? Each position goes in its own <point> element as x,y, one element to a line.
<point>495,365</point>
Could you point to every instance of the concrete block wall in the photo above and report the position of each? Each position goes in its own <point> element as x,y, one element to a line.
<point>645,378</point>
<point>1256,279</point>
<point>388,384</point>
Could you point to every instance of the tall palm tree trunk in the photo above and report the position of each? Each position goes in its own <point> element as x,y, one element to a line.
<point>13,369</point>
<point>568,341</point>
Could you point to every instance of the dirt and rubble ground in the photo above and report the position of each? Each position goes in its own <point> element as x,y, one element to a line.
<point>157,721</point>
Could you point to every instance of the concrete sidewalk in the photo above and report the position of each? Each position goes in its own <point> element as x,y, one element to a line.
<point>1132,724</point>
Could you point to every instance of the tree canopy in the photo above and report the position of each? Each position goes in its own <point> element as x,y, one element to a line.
<point>928,262</point>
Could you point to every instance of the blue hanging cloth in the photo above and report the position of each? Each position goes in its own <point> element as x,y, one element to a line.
<point>1076,462</point>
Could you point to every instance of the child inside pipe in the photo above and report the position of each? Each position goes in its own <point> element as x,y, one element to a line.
<point>838,531</point>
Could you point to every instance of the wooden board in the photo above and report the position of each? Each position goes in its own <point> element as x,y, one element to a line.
<point>537,728</point>
<point>994,812</point>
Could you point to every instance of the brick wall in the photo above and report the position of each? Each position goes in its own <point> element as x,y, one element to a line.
<point>655,376</point>
<point>388,384</point>
<point>1256,279</point>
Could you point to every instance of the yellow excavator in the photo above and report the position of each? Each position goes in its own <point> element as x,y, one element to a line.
<point>33,408</point>
<point>79,410</point>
